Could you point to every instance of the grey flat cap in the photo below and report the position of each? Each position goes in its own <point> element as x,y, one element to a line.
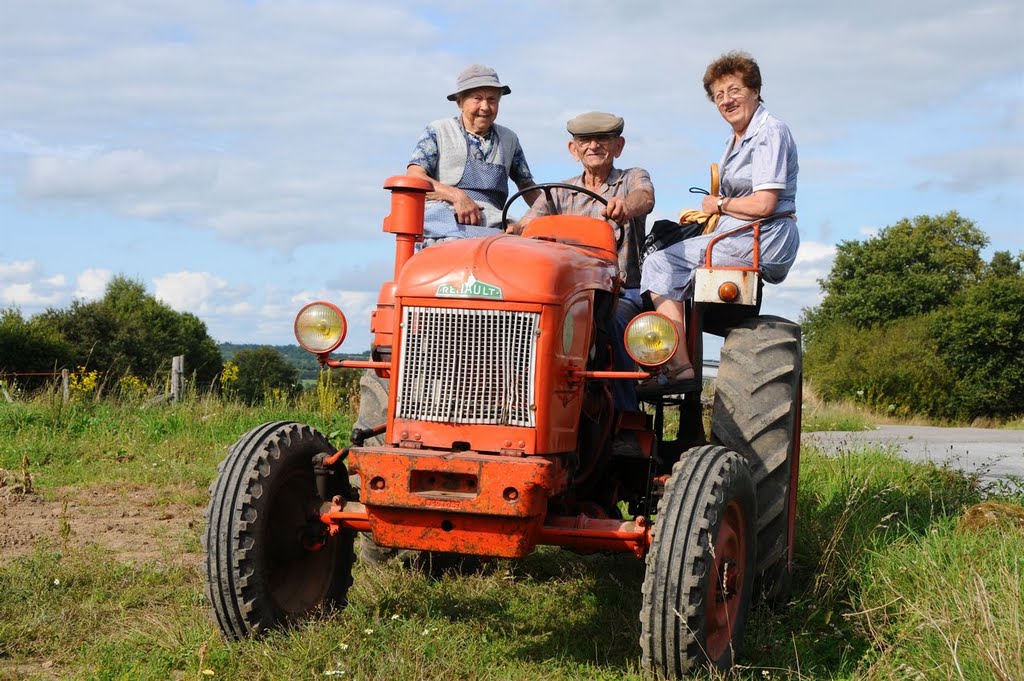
<point>474,76</point>
<point>596,123</point>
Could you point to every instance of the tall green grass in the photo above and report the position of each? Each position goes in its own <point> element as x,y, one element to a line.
<point>891,583</point>
<point>108,442</point>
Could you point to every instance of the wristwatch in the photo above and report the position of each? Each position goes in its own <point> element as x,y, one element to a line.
<point>721,200</point>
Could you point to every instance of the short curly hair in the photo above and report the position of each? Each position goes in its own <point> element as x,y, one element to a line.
<point>735,62</point>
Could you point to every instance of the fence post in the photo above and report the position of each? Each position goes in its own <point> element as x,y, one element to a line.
<point>65,388</point>
<point>177,369</point>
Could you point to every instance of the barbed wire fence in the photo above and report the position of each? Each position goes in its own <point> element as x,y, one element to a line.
<point>174,391</point>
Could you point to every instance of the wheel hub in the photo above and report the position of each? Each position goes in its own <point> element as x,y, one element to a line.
<point>727,580</point>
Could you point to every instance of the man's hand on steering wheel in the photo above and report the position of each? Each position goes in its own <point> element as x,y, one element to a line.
<point>616,210</point>
<point>546,187</point>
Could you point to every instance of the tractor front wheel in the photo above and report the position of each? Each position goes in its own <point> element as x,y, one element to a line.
<point>269,559</point>
<point>700,570</point>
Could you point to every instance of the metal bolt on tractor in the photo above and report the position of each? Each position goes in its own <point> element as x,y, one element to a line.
<point>497,433</point>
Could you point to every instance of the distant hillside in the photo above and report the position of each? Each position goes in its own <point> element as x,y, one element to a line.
<point>304,362</point>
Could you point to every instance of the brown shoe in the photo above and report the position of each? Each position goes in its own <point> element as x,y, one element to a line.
<point>671,381</point>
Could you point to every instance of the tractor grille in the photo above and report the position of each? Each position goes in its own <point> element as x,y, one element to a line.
<point>467,366</point>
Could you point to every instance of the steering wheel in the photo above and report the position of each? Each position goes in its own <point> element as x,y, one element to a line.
<point>546,187</point>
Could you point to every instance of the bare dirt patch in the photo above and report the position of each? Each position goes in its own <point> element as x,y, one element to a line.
<point>127,521</point>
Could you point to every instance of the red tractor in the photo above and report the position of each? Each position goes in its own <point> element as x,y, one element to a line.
<point>498,437</point>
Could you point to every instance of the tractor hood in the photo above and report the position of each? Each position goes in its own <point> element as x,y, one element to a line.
<point>505,267</point>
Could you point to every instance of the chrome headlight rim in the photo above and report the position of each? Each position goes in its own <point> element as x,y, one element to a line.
<point>331,344</point>
<point>671,337</point>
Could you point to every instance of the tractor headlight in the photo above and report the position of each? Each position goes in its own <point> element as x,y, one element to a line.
<point>651,339</point>
<point>320,327</point>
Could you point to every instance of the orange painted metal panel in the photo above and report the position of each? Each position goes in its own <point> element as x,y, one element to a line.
<point>498,536</point>
<point>456,501</point>
<point>388,476</point>
<point>525,270</point>
<point>589,233</point>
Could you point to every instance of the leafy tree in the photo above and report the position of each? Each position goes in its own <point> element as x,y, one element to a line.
<point>914,321</point>
<point>24,348</point>
<point>910,268</point>
<point>895,369</point>
<point>260,371</point>
<point>129,330</point>
<point>981,339</point>
<point>1004,265</point>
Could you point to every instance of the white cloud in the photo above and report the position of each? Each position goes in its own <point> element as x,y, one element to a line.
<point>117,173</point>
<point>92,283</point>
<point>969,170</point>
<point>24,285</point>
<point>195,292</point>
<point>32,294</point>
<point>800,289</point>
<point>18,271</point>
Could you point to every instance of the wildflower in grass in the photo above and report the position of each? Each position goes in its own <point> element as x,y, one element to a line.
<point>343,646</point>
<point>228,377</point>
<point>131,387</point>
<point>367,631</point>
<point>56,582</point>
<point>275,397</point>
<point>82,383</point>
<point>396,616</point>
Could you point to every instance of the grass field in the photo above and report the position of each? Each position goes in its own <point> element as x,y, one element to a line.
<point>900,574</point>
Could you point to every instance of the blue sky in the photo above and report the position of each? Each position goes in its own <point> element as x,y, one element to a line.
<point>230,155</point>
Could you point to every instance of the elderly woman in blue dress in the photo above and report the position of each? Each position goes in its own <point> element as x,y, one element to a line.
<point>758,180</point>
<point>469,160</point>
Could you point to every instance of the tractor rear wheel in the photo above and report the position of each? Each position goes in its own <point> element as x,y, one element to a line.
<point>269,559</point>
<point>757,414</point>
<point>697,589</point>
<point>373,404</point>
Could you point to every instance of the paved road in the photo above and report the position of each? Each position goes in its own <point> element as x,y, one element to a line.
<point>991,453</point>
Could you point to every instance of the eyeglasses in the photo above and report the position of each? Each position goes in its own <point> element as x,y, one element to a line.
<point>735,92</point>
<point>584,140</point>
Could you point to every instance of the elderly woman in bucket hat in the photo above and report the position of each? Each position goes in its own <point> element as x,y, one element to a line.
<point>469,160</point>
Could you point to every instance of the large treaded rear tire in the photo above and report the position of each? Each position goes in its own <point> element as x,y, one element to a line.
<point>757,400</point>
<point>696,593</point>
<point>263,513</point>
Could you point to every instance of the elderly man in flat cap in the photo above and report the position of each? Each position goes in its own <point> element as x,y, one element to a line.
<point>469,159</point>
<point>596,142</point>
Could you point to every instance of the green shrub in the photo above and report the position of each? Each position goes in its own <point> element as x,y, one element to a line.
<point>895,369</point>
<point>981,338</point>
